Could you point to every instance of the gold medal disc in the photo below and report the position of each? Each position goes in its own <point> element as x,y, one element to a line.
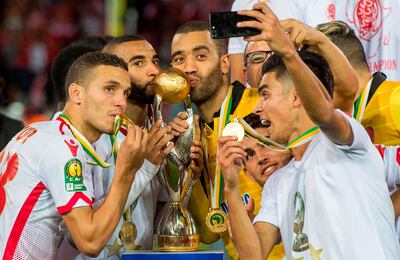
<point>216,221</point>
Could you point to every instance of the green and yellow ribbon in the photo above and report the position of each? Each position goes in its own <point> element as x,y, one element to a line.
<point>87,147</point>
<point>217,187</point>
<point>304,137</point>
<point>361,102</point>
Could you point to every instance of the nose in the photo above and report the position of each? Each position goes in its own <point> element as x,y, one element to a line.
<point>153,70</point>
<point>121,101</point>
<point>262,160</point>
<point>189,66</point>
<point>258,108</point>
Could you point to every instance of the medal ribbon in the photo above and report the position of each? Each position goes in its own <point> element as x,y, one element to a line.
<point>216,188</point>
<point>361,102</point>
<point>304,137</point>
<point>85,143</point>
<point>253,134</point>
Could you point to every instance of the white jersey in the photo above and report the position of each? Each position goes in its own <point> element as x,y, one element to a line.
<point>43,175</point>
<point>145,190</point>
<point>391,160</point>
<point>375,22</point>
<point>347,212</point>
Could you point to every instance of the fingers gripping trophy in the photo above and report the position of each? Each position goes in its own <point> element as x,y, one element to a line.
<point>177,230</point>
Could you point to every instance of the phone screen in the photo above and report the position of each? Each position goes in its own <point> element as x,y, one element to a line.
<point>223,25</point>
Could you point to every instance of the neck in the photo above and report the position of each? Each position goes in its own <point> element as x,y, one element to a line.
<point>213,104</point>
<point>136,112</point>
<point>363,78</point>
<point>299,151</point>
<point>91,134</point>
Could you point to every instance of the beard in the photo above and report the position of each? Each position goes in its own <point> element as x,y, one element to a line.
<point>140,93</point>
<point>208,86</point>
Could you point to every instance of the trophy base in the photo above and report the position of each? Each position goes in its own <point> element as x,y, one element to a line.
<point>169,243</point>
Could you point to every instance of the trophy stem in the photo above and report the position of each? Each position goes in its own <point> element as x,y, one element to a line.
<point>176,230</point>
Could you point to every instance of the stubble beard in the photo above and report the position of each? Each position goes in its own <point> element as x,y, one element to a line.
<point>208,86</point>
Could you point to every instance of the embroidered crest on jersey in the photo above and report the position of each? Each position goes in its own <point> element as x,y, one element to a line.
<point>73,176</point>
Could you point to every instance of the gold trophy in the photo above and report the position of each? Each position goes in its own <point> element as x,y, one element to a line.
<point>176,230</point>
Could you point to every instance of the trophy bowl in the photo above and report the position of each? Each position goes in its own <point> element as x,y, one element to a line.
<point>172,86</point>
<point>176,230</point>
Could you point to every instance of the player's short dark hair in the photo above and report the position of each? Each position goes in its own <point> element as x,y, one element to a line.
<point>59,68</point>
<point>121,39</point>
<point>315,62</point>
<point>95,42</point>
<point>200,26</point>
<point>343,36</point>
<point>80,71</point>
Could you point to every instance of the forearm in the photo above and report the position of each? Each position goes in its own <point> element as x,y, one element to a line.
<point>142,178</point>
<point>90,229</point>
<point>244,235</point>
<point>345,77</point>
<point>309,88</point>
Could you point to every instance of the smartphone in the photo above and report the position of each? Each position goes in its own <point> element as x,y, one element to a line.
<point>223,25</point>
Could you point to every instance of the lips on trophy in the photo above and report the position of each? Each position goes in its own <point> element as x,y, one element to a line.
<point>176,230</point>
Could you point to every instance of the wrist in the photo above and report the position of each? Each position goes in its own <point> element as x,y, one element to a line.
<point>231,187</point>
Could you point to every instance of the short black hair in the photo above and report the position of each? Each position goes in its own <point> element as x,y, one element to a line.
<point>81,69</point>
<point>254,121</point>
<point>315,62</point>
<point>200,26</point>
<point>121,39</point>
<point>343,36</point>
<point>59,68</point>
<point>95,42</point>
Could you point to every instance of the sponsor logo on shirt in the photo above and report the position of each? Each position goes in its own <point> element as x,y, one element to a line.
<point>73,176</point>
<point>331,12</point>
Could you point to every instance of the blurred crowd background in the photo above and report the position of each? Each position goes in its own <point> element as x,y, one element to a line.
<point>32,32</point>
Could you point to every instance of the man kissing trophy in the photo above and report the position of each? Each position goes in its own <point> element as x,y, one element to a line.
<point>176,230</point>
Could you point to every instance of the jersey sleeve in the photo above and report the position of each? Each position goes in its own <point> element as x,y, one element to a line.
<point>66,177</point>
<point>361,145</point>
<point>143,177</point>
<point>269,211</point>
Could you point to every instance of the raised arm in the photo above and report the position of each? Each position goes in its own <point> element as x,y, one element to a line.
<point>91,229</point>
<point>308,87</point>
<point>250,242</point>
<point>346,81</point>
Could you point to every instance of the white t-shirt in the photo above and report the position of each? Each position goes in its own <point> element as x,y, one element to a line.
<point>348,211</point>
<point>374,22</point>
<point>43,174</point>
<point>145,189</point>
<point>391,160</point>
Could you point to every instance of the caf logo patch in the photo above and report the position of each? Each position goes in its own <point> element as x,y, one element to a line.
<point>73,176</point>
<point>74,168</point>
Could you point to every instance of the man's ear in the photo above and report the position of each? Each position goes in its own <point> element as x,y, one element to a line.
<point>75,93</point>
<point>225,63</point>
<point>295,97</point>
